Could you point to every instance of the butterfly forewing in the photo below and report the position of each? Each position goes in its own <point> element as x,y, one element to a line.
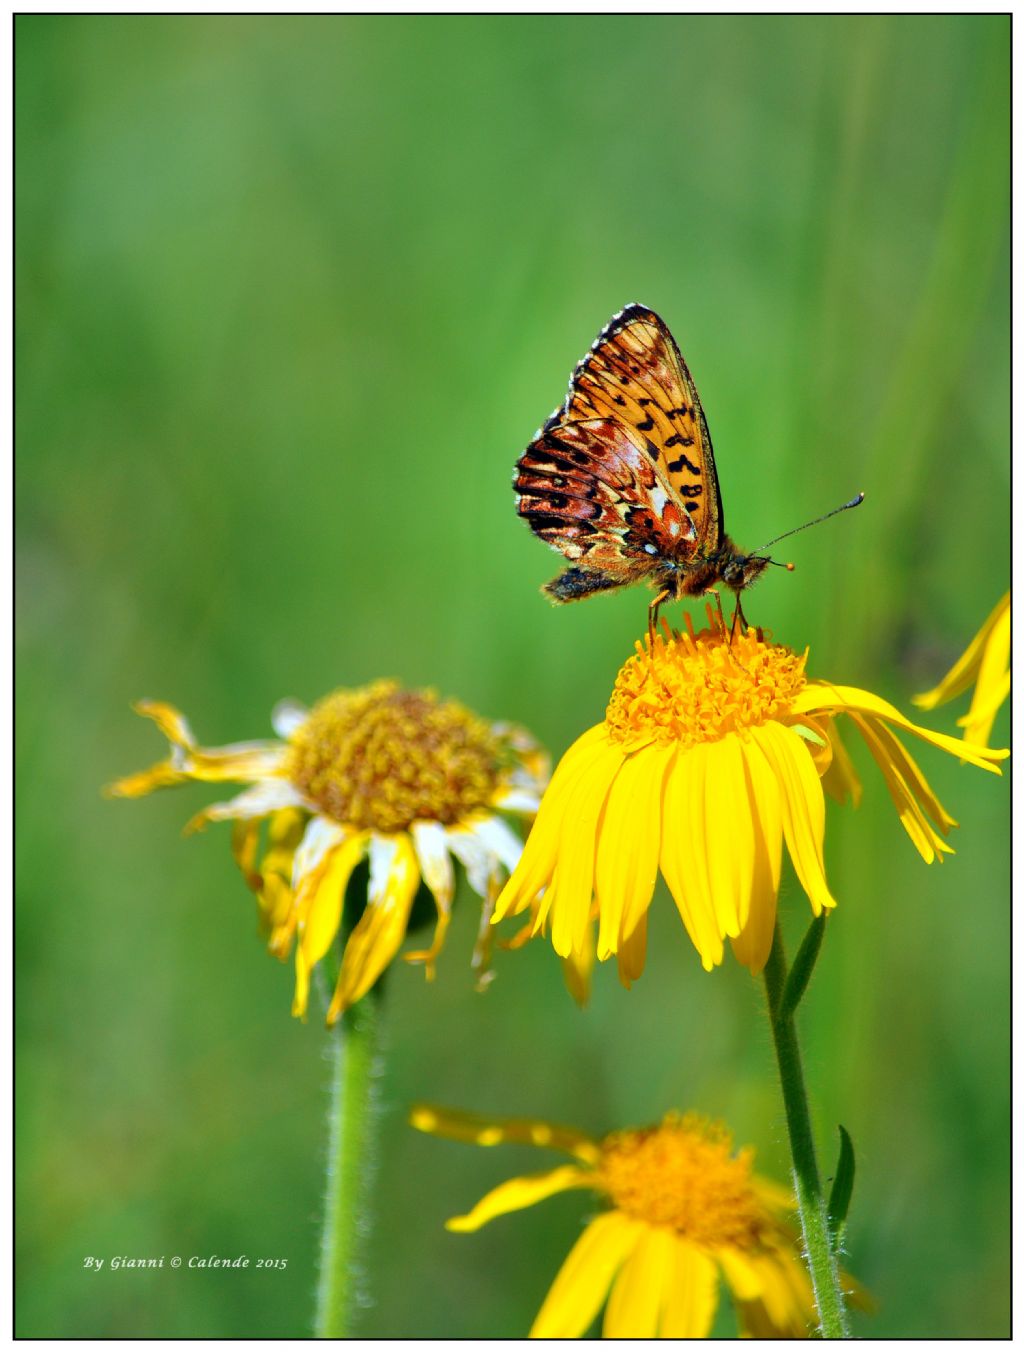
<point>636,375</point>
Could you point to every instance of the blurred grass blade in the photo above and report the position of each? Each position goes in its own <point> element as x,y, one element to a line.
<point>842,1189</point>
<point>803,966</point>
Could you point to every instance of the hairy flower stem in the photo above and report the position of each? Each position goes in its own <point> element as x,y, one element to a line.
<point>821,1260</point>
<point>351,1124</point>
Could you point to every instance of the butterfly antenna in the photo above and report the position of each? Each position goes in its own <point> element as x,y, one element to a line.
<point>854,502</point>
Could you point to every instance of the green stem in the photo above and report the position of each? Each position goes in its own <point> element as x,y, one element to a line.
<point>813,1218</point>
<point>351,1123</point>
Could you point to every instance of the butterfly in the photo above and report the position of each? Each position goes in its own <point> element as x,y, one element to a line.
<point>621,478</point>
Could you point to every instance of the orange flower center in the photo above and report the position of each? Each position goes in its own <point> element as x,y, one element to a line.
<point>700,687</point>
<point>382,757</point>
<point>683,1174</point>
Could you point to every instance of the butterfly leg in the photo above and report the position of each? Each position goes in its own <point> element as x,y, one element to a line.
<point>652,616</point>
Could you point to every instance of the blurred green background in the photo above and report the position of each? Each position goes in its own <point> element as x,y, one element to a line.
<point>293,294</point>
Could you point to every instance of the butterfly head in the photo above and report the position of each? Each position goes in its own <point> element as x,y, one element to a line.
<point>739,571</point>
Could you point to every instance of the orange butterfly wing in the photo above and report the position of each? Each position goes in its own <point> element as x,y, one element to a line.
<point>593,492</point>
<point>622,477</point>
<point>635,374</point>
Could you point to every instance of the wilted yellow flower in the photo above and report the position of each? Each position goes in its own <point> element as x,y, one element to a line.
<point>986,666</point>
<point>713,750</point>
<point>399,776</point>
<point>683,1212</point>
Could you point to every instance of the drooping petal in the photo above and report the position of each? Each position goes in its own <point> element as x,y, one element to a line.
<point>784,1306</point>
<point>377,937</point>
<point>740,1273</point>
<point>513,799</point>
<point>273,882</point>
<point>729,834</point>
<point>500,841</point>
<point>900,758</point>
<point>245,841</point>
<point>968,665</point>
<point>522,1192</point>
<point>682,855</point>
<point>578,968</point>
<point>628,844</point>
<point>573,886</point>
<point>633,952</point>
<point>803,807</point>
<point>578,1291</point>
<point>321,913</point>
<point>841,781</point>
<point>637,1294</point>
<point>430,841</point>
<point>993,684</point>
<point>270,795</point>
<point>287,716</point>
<point>819,695</point>
<point>928,843</point>
<point>320,836</point>
<point>753,944</point>
<point>540,853</point>
<point>986,703</point>
<point>690,1293</point>
<point>477,1129</point>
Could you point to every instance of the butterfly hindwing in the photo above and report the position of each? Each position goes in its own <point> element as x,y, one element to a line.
<point>593,490</point>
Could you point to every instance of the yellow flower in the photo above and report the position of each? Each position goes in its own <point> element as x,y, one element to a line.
<point>683,1212</point>
<point>399,776</point>
<point>986,665</point>
<point>711,753</point>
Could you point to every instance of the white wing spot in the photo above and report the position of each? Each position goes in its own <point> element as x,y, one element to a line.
<point>650,549</point>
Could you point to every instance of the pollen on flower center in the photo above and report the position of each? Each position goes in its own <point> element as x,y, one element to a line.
<point>381,758</point>
<point>683,1174</point>
<point>699,687</point>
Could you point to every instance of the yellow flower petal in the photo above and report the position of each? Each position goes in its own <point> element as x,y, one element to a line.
<point>784,1307</point>
<point>321,913</point>
<point>977,722</point>
<point>928,843</point>
<point>517,1193</point>
<point>627,849</point>
<point>993,683</point>
<point>245,842</point>
<point>478,1129</point>
<point>430,841</point>
<point>841,781</point>
<point>729,834</point>
<point>578,1291</point>
<point>967,667</point>
<point>803,808</point>
<point>633,953</point>
<point>682,860</point>
<point>634,1306</point>
<point>817,695</point>
<point>394,878</point>
<point>690,1293</point>
<point>260,800</point>
<point>537,865</point>
<point>753,944</point>
<point>570,898</point>
<point>578,968</point>
<point>743,1278</point>
<point>893,749</point>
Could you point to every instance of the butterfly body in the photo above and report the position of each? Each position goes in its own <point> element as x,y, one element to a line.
<point>621,478</point>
